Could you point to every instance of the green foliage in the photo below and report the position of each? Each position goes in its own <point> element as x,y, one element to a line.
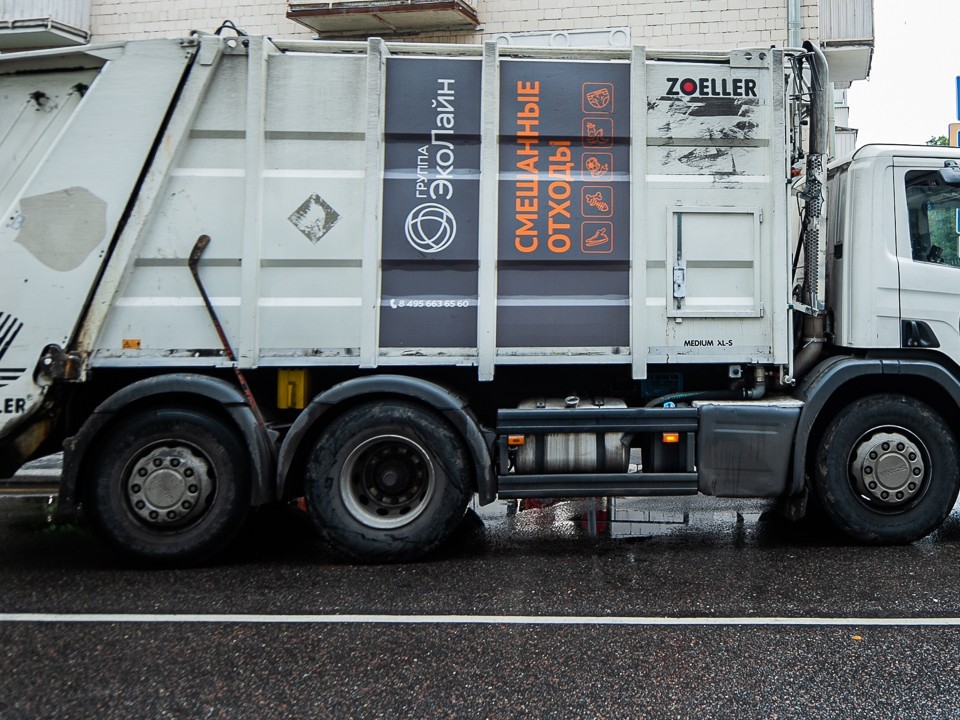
<point>938,140</point>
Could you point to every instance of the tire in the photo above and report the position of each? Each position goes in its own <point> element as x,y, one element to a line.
<point>887,470</point>
<point>387,482</point>
<point>171,487</point>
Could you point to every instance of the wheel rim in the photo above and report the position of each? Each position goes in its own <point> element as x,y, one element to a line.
<point>387,481</point>
<point>890,469</point>
<point>169,485</point>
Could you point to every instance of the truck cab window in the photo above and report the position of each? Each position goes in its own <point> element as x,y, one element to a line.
<point>932,212</point>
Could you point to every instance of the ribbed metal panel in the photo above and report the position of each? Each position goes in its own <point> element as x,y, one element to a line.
<point>75,13</point>
<point>842,20</point>
<point>27,24</point>
<point>844,142</point>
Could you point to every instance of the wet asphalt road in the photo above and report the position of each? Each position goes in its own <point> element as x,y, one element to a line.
<point>693,559</point>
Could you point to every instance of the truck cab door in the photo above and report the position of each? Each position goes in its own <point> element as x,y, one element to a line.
<point>928,252</point>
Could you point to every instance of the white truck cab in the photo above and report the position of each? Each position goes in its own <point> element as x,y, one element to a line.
<point>892,250</point>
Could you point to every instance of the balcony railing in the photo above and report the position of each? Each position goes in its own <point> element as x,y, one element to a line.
<point>26,24</point>
<point>346,18</point>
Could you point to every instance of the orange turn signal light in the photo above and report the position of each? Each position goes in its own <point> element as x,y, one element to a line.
<point>516,440</point>
<point>671,437</point>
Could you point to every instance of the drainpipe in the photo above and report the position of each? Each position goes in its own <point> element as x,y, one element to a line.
<point>793,23</point>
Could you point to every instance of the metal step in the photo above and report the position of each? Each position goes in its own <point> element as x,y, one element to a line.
<point>597,485</point>
<point>629,420</point>
<point>28,488</point>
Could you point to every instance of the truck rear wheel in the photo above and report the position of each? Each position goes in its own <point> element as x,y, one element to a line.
<point>887,470</point>
<point>387,481</point>
<point>170,487</point>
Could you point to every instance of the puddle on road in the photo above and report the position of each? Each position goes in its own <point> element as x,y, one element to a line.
<point>620,518</point>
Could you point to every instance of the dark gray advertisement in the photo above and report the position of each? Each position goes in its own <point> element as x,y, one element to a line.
<point>564,224</point>
<point>430,203</point>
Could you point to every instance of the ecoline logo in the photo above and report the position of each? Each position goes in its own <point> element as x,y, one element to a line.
<point>430,227</point>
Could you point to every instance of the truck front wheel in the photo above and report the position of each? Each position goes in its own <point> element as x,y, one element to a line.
<point>887,470</point>
<point>387,481</point>
<point>171,486</point>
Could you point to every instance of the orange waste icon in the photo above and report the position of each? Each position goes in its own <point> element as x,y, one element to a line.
<point>597,97</point>
<point>596,237</point>
<point>596,201</point>
<point>596,165</point>
<point>597,132</point>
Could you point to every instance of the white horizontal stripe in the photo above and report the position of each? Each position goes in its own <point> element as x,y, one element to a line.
<point>235,301</point>
<point>709,179</point>
<point>281,173</point>
<point>332,174</point>
<point>477,620</point>
<point>208,172</point>
<point>175,301</point>
<point>311,302</point>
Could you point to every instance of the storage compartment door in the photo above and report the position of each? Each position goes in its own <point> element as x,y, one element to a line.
<point>713,262</point>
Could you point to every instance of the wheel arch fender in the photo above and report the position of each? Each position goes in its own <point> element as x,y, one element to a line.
<point>209,391</point>
<point>829,378</point>
<point>328,404</point>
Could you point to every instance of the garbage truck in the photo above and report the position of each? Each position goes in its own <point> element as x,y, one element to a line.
<point>392,277</point>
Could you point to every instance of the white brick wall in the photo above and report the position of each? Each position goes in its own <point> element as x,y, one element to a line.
<point>706,24</point>
<point>702,24</point>
<point>121,19</point>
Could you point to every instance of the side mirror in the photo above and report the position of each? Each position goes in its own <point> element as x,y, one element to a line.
<point>950,173</point>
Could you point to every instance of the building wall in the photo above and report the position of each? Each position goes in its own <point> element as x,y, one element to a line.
<point>123,19</point>
<point>702,24</point>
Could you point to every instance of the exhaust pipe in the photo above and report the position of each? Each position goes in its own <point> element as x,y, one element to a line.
<point>815,194</point>
<point>816,188</point>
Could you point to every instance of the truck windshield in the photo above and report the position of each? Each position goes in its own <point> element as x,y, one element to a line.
<point>934,215</point>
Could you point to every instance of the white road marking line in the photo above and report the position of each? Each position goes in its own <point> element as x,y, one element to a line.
<point>155,618</point>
